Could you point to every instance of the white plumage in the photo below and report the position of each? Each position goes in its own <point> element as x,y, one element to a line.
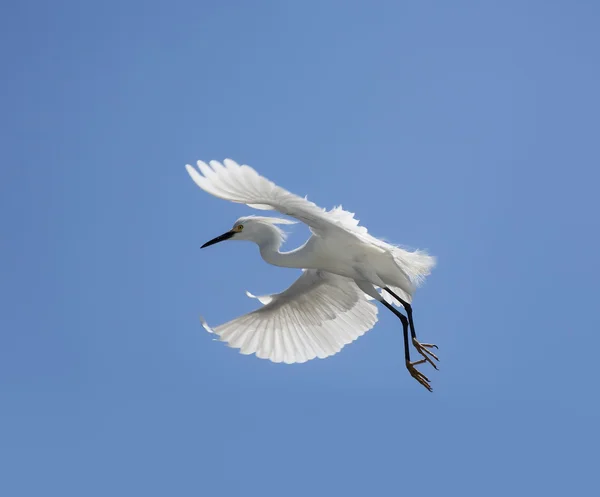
<point>344,268</point>
<point>315,317</point>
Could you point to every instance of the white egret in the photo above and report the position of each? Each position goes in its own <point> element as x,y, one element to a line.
<point>344,269</point>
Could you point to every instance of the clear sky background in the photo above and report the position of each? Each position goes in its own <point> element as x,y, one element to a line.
<point>466,128</point>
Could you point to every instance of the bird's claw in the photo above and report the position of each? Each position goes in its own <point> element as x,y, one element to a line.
<point>417,375</point>
<point>423,349</point>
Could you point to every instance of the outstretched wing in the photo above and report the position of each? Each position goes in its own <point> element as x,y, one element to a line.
<point>244,185</point>
<point>315,317</point>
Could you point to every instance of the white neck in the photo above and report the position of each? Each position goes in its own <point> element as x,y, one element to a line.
<point>269,250</point>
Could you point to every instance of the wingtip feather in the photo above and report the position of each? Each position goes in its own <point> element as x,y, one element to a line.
<point>205,325</point>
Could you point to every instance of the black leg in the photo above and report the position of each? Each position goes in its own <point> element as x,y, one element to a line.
<point>423,348</point>
<point>408,308</point>
<point>402,318</point>
<point>417,375</point>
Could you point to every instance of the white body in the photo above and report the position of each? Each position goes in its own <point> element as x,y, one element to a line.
<point>327,307</point>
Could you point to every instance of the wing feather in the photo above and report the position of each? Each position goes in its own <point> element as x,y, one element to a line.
<point>242,184</point>
<point>316,316</point>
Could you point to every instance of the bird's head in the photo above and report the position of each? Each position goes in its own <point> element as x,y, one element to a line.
<point>253,228</point>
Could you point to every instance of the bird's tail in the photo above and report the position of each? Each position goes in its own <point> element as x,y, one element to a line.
<point>416,265</point>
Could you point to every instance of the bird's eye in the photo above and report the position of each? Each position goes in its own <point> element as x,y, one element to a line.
<point>240,227</point>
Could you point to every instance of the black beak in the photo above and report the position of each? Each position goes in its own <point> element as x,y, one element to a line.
<point>221,238</point>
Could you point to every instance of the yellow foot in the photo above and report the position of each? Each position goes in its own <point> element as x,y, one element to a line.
<point>417,375</point>
<point>423,349</point>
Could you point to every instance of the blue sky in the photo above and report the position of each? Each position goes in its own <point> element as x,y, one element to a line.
<point>467,128</point>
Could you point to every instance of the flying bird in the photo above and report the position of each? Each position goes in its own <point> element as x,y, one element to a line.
<point>344,269</point>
